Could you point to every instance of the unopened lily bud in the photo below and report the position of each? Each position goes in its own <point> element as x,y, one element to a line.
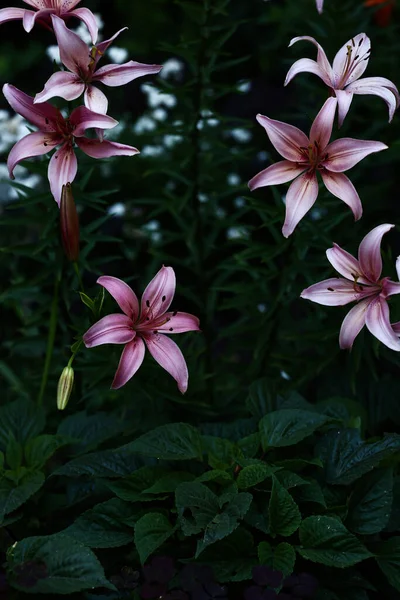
<point>64,389</point>
<point>69,224</point>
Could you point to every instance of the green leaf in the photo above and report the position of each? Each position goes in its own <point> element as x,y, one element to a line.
<point>21,419</point>
<point>287,427</point>
<point>326,540</point>
<point>310,493</point>
<point>371,502</point>
<point>134,488</point>
<point>15,493</point>
<point>232,558</point>
<point>108,463</point>
<point>63,566</point>
<point>284,514</point>
<point>151,530</point>
<point>87,301</point>
<point>169,482</point>
<point>346,457</point>
<point>388,559</point>
<point>394,521</point>
<point>222,453</point>
<point>262,398</point>
<point>14,453</point>
<point>39,449</point>
<point>202,504</point>
<point>175,441</point>
<point>281,558</point>
<point>90,430</point>
<point>103,526</point>
<point>253,475</point>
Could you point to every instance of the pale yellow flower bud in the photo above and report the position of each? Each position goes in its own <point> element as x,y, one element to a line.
<point>64,389</point>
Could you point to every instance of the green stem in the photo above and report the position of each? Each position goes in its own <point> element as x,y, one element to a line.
<point>78,274</point>
<point>50,340</point>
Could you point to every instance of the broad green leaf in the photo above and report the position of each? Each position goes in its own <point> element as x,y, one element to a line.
<point>108,463</point>
<point>287,427</point>
<point>21,419</point>
<point>262,398</point>
<point>221,453</point>
<point>284,514</point>
<point>13,494</point>
<point>253,475</point>
<point>326,540</point>
<point>63,565</point>
<point>394,520</point>
<point>290,480</point>
<point>310,493</point>
<point>90,430</point>
<point>175,441</point>
<point>39,449</point>
<point>169,482</point>
<point>151,530</point>
<point>371,502</point>
<point>388,558</point>
<point>215,475</point>
<point>281,558</point>
<point>14,453</point>
<point>134,488</point>
<point>232,558</point>
<point>103,526</point>
<point>250,445</point>
<point>197,505</point>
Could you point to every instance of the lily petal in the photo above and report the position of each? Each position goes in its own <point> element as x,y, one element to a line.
<point>74,52</point>
<point>351,60</point>
<point>320,6</point>
<point>396,327</point>
<point>391,288</point>
<point>398,267</point>
<point>304,65</point>
<point>344,98</point>
<point>29,18</point>
<point>44,116</point>
<point>300,197</point>
<point>321,129</point>
<point>280,172</point>
<point>63,85</point>
<point>102,47</point>
<point>345,264</point>
<point>82,118</point>
<point>112,329</point>
<point>369,252</point>
<point>33,144</point>
<point>344,153</point>
<point>122,294</point>
<point>68,4</point>
<point>115,75</point>
<point>169,357</point>
<point>340,186</point>
<point>158,294</point>
<point>378,322</point>
<point>85,15</point>
<point>322,60</point>
<point>177,322</point>
<point>332,292</point>
<point>352,324</point>
<point>287,139</point>
<point>63,167</point>
<point>11,14</point>
<point>131,360</point>
<point>104,148</point>
<point>376,86</point>
<point>95,100</point>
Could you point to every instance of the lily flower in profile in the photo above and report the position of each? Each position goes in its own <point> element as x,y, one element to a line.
<point>343,77</point>
<point>320,5</point>
<point>43,9</point>
<point>304,157</point>
<point>361,282</point>
<point>82,64</point>
<point>144,326</point>
<point>56,130</point>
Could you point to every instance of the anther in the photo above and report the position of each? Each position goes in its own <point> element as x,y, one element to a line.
<point>330,289</point>
<point>171,328</point>
<point>163,299</point>
<point>148,303</point>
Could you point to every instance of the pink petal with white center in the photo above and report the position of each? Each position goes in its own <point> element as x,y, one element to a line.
<point>158,294</point>
<point>33,144</point>
<point>85,15</point>
<point>333,292</point>
<point>112,329</point>
<point>104,148</point>
<point>115,75</point>
<point>95,100</point>
<point>169,357</point>
<point>343,154</point>
<point>322,60</point>
<point>378,322</point>
<point>352,324</point>
<point>82,118</point>
<point>11,14</point>
<point>281,172</point>
<point>344,98</point>
<point>390,288</point>
<point>63,85</point>
<point>131,360</point>
<point>321,129</point>
<point>373,85</point>
<point>102,47</point>
<point>345,264</point>
<point>369,252</point>
<point>300,197</point>
<point>62,169</point>
<point>30,18</point>
<point>44,116</point>
<point>304,65</point>
<point>74,53</point>
<point>176,322</point>
<point>122,294</point>
<point>340,186</point>
<point>351,60</point>
<point>287,139</point>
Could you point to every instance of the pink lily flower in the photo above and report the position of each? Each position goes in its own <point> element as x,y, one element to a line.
<point>45,8</point>
<point>82,63</point>
<point>138,328</point>
<point>343,77</point>
<point>320,5</point>
<point>361,283</point>
<point>304,157</point>
<point>55,130</point>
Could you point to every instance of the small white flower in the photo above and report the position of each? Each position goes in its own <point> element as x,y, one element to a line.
<point>143,124</point>
<point>117,210</point>
<point>172,68</point>
<point>233,179</point>
<point>118,55</point>
<point>241,135</point>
